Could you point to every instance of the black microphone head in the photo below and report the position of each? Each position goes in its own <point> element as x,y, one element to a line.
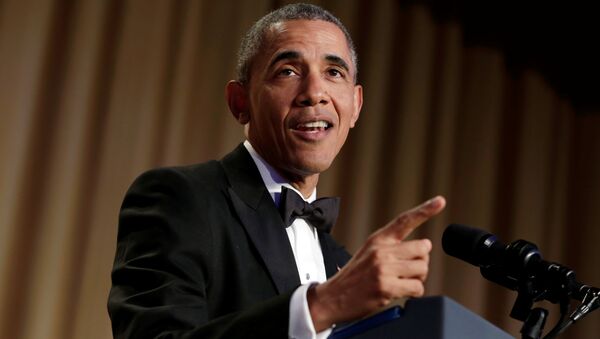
<point>466,243</point>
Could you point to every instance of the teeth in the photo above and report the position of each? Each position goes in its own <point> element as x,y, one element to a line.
<point>314,124</point>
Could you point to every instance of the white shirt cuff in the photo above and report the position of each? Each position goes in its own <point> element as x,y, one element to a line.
<point>301,324</point>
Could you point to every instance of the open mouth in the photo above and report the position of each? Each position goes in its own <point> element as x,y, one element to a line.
<point>313,126</point>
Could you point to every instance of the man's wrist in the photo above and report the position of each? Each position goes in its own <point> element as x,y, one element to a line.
<point>301,325</point>
<point>319,310</point>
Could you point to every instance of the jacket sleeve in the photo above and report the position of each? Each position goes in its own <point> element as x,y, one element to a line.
<point>160,277</point>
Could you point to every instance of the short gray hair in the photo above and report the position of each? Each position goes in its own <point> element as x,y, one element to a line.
<point>254,38</point>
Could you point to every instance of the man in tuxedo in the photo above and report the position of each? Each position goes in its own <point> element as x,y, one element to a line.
<point>240,248</point>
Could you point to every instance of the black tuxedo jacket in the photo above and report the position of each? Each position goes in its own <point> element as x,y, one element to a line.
<point>202,252</point>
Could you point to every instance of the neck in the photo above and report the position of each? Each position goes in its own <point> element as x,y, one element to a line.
<point>306,185</point>
<point>304,182</point>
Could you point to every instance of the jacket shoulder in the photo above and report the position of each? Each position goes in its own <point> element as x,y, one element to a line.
<point>208,174</point>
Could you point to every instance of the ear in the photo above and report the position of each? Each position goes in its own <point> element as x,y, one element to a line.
<point>237,100</point>
<point>358,102</point>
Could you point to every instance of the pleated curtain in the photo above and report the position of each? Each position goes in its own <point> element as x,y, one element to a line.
<point>93,92</point>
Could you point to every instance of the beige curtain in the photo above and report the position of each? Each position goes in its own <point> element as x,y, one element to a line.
<point>92,92</point>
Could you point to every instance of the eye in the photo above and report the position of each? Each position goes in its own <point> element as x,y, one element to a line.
<point>336,73</point>
<point>286,72</point>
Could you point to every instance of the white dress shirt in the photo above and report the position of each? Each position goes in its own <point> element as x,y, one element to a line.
<point>304,241</point>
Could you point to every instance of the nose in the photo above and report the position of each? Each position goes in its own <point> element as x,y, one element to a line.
<point>313,91</point>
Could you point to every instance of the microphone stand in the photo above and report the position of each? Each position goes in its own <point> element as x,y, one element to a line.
<point>590,302</point>
<point>519,266</point>
<point>537,280</point>
<point>533,319</point>
<point>533,326</point>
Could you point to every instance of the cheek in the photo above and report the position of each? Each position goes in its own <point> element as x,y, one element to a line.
<point>346,110</point>
<point>342,138</point>
<point>273,104</point>
<point>262,111</point>
<point>277,116</point>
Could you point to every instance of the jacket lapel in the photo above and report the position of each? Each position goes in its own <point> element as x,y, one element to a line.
<point>260,218</point>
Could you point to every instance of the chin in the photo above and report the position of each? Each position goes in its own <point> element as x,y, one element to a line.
<point>313,167</point>
<point>309,162</point>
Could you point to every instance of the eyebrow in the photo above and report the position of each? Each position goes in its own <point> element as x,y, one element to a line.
<point>285,55</point>
<point>295,55</point>
<point>337,61</point>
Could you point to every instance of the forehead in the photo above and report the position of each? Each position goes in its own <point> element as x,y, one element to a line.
<point>311,38</point>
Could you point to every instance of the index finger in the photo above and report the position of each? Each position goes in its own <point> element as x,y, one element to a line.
<point>401,226</point>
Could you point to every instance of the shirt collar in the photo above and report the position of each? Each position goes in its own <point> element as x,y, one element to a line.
<point>272,180</point>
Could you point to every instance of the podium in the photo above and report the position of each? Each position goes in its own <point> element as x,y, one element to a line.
<point>424,318</point>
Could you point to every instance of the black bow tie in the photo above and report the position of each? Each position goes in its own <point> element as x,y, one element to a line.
<point>321,213</point>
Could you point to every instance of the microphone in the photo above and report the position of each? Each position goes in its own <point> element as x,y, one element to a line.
<point>514,265</point>
<point>472,245</point>
<point>519,266</point>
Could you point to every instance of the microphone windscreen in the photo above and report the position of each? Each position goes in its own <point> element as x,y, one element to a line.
<point>464,242</point>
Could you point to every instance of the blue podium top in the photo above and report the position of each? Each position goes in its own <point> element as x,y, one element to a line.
<point>424,318</point>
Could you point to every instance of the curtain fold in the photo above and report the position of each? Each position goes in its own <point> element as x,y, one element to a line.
<point>94,92</point>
